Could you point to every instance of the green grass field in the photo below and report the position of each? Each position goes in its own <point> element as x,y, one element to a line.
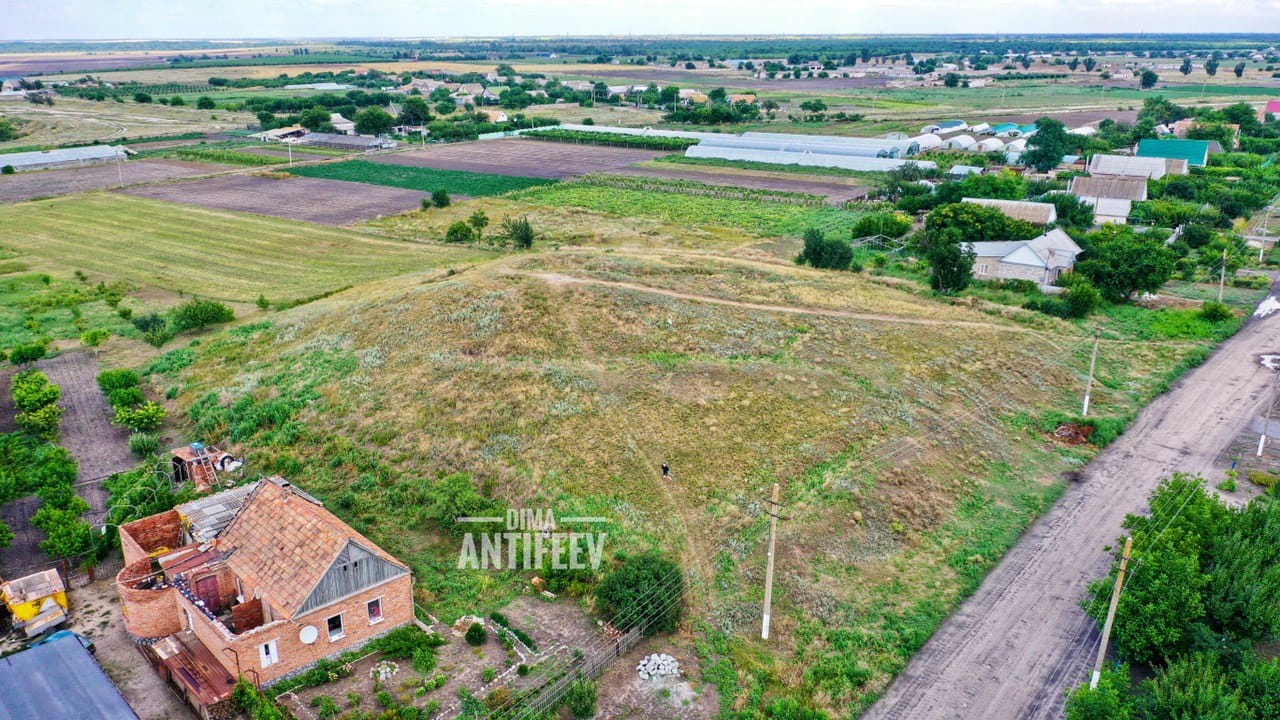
<point>211,253</point>
<point>753,216</point>
<point>454,182</point>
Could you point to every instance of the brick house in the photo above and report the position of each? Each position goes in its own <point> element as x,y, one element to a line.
<point>1041,260</point>
<point>259,581</point>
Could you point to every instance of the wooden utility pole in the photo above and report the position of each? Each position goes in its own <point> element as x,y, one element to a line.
<point>1222,274</point>
<point>1266,423</point>
<point>1088,388</point>
<point>768,573</point>
<point>1111,615</point>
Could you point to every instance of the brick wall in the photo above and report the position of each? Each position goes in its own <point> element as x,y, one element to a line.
<point>147,613</point>
<point>143,537</point>
<point>295,656</point>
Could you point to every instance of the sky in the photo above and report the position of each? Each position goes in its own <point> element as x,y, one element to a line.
<point>216,19</point>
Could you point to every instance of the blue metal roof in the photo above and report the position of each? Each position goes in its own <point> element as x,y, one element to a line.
<point>58,680</point>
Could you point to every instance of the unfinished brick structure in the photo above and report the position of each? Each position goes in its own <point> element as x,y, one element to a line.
<point>259,581</point>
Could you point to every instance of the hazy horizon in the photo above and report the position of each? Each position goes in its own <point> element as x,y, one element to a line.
<point>123,20</point>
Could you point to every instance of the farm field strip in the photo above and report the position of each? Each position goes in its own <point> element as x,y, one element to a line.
<point>423,179</point>
<point>210,253</point>
<point>50,183</point>
<point>525,158</point>
<point>835,191</point>
<point>325,202</point>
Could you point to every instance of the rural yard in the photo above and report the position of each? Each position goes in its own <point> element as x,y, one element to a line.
<point>1022,640</point>
<point>51,183</point>
<point>324,202</point>
<point>524,158</point>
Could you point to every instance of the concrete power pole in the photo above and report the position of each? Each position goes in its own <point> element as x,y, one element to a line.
<point>1088,388</point>
<point>1111,615</point>
<point>1222,274</point>
<point>1266,423</point>
<point>768,574</point>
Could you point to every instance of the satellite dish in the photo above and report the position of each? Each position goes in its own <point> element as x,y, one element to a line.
<point>308,634</point>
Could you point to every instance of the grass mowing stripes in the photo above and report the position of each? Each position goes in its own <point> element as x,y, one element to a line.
<point>211,253</point>
<point>454,182</point>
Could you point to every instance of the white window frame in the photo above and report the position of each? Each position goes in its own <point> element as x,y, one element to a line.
<point>342,628</point>
<point>382,615</point>
<point>268,653</point>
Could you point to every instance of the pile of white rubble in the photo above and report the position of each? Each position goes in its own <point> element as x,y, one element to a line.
<point>658,665</point>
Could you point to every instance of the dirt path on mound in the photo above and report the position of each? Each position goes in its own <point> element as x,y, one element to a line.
<point>560,280</point>
<point>1014,647</point>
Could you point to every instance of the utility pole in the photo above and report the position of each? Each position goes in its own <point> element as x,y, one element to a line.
<point>768,573</point>
<point>1111,615</point>
<point>1222,274</point>
<point>1271,401</point>
<point>1093,360</point>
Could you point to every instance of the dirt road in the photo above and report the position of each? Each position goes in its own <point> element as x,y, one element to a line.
<point>1015,647</point>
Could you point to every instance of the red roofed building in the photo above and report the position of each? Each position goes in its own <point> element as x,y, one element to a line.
<point>1271,108</point>
<point>259,581</point>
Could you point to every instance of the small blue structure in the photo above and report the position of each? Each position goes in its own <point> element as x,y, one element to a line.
<point>57,680</point>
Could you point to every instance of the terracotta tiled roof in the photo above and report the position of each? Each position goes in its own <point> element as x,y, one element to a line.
<point>282,543</point>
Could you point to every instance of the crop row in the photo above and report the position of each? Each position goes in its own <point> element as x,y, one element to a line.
<point>454,182</point>
<point>584,137</point>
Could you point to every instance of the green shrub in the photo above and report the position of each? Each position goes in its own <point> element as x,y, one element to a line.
<point>157,337</point>
<point>32,390</point>
<point>198,314</point>
<point>353,699</point>
<point>518,232</point>
<point>890,224</point>
<point>440,199</point>
<point>401,643</point>
<point>625,596</point>
<point>142,418</point>
<point>522,669</point>
<point>823,252</point>
<point>501,620</point>
<point>43,422</point>
<point>150,322</point>
<point>581,699</point>
<point>385,699</point>
<point>8,170</point>
<point>110,380</point>
<point>476,635</point>
<point>1262,478</point>
<point>143,445</point>
<point>125,397</point>
<point>459,232</point>
<point>424,660</point>
<point>255,704</point>
<point>94,338</point>
<point>1215,312</point>
<point>326,708</point>
<point>23,354</point>
<point>488,674</point>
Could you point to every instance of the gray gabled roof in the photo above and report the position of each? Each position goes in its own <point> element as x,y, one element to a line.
<point>58,680</point>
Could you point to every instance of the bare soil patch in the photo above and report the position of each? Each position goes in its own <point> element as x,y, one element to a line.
<point>524,158</point>
<point>325,202</point>
<point>100,448</point>
<point>836,192</point>
<point>49,183</point>
<point>623,695</point>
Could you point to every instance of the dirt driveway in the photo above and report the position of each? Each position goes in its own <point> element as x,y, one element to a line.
<point>1022,640</point>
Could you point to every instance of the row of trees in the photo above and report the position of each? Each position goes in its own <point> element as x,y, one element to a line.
<point>1203,591</point>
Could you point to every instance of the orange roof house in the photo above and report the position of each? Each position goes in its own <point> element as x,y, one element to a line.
<point>260,581</point>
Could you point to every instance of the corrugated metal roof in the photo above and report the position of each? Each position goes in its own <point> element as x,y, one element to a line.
<point>1033,212</point>
<point>58,680</point>
<point>36,158</point>
<point>1114,186</point>
<point>210,515</point>
<point>1147,167</point>
<point>1195,152</point>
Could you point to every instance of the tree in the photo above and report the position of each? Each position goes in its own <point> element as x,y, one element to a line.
<point>141,418</point>
<point>32,390</point>
<point>951,80</point>
<point>315,119</point>
<point>1120,263</point>
<point>950,259</point>
<point>440,199</point>
<point>1211,66</point>
<point>1185,68</point>
<point>1048,145</point>
<point>1090,64</point>
<point>1148,79</point>
<point>1239,69</point>
<point>976,223</point>
<point>478,222</point>
<point>374,121</point>
<point>823,252</point>
<point>414,111</point>
<point>68,535</point>
<point>1073,64</point>
<point>1194,687</point>
<point>476,635</point>
<point>43,422</point>
<point>459,232</point>
<point>626,596</point>
<point>581,699</point>
<point>1071,211</point>
<point>1110,701</point>
<point>204,102</point>
<point>519,232</point>
<point>450,498</point>
<point>141,97</point>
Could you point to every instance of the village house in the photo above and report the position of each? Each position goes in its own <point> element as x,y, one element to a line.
<point>1111,197</point>
<point>1036,213</point>
<point>1041,260</point>
<point>341,125</point>
<point>259,581</point>
<point>1153,168</point>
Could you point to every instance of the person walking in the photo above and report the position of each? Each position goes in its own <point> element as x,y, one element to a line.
<point>666,471</point>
